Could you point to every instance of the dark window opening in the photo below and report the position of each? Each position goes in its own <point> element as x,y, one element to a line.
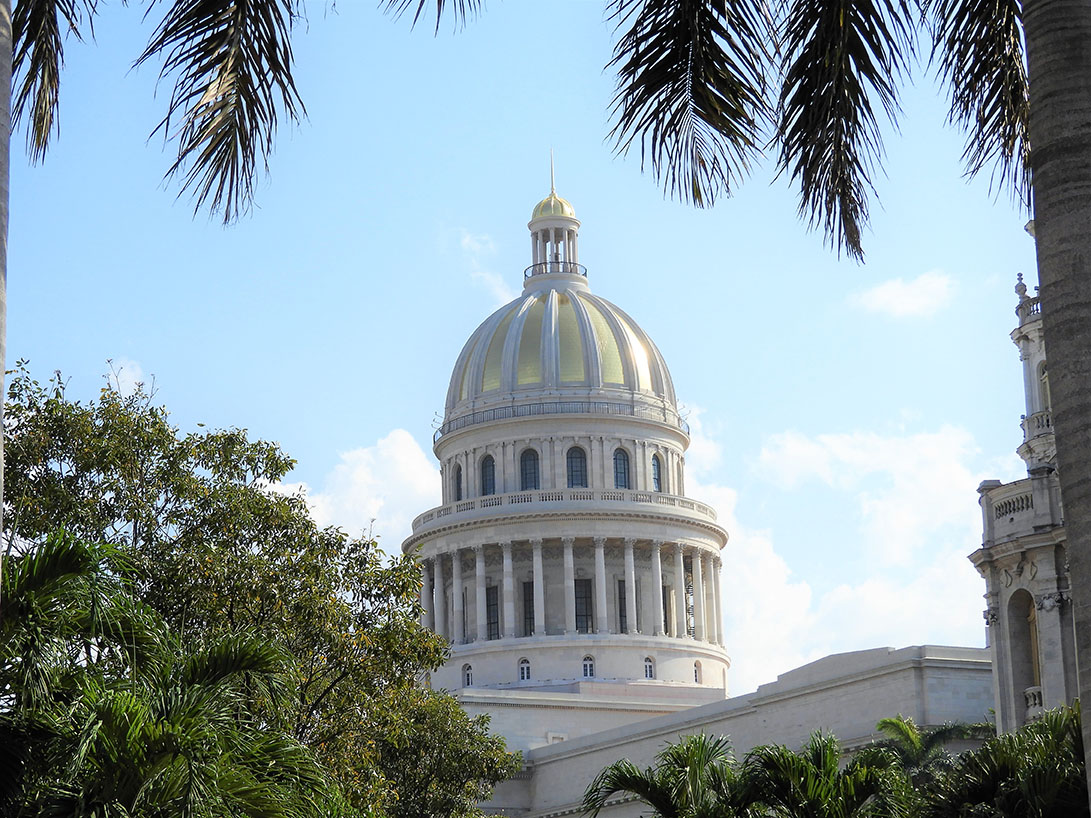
<point>621,469</point>
<point>528,608</point>
<point>577,468</point>
<point>622,618</point>
<point>528,471</point>
<point>458,483</point>
<point>492,611</point>
<point>657,481</point>
<point>583,605</point>
<point>488,476</point>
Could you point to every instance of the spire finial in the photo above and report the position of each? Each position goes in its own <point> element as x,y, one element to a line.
<point>552,185</point>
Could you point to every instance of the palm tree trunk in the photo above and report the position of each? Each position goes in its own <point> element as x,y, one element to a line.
<point>1058,43</point>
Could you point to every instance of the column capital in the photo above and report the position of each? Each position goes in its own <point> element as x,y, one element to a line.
<point>478,548</point>
<point>505,544</point>
<point>630,542</point>
<point>656,544</point>
<point>536,542</point>
<point>599,541</point>
<point>567,541</point>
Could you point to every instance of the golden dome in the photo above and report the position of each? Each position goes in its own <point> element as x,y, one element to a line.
<point>553,206</point>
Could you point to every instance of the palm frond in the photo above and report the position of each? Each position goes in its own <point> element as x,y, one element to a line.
<point>691,91</point>
<point>232,64</point>
<point>842,60</point>
<point>461,11</point>
<point>38,29</point>
<point>978,46</point>
<point>624,776</point>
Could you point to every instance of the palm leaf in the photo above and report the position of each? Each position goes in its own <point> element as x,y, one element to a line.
<point>691,91</point>
<point>461,10</point>
<point>978,46</point>
<point>38,29</point>
<point>842,60</point>
<point>232,64</point>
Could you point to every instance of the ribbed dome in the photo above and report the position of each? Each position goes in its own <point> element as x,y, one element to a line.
<point>552,206</point>
<point>560,339</point>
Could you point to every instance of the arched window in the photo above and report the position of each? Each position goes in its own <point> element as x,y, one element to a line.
<point>1043,385</point>
<point>524,670</point>
<point>649,668</point>
<point>458,483</point>
<point>657,471</point>
<point>577,468</point>
<point>621,469</point>
<point>488,475</point>
<point>696,672</point>
<point>467,676</point>
<point>528,471</point>
<point>588,667</point>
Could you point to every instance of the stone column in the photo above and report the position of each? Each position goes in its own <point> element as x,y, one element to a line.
<point>509,593</point>
<point>717,566</point>
<point>680,628</point>
<point>630,587</point>
<point>441,602</point>
<point>657,588</point>
<point>601,619</point>
<point>569,587</point>
<point>458,614</point>
<point>479,593</point>
<point>698,597</point>
<point>539,588</point>
<point>428,620</point>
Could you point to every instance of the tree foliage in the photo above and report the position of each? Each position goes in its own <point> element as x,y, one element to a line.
<point>216,548</point>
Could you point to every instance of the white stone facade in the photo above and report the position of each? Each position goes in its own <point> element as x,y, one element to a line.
<point>566,558</point>
<point>1022,556</point>
<point>579,586</point>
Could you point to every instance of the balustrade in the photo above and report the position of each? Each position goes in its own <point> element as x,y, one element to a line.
<point>564,495</point>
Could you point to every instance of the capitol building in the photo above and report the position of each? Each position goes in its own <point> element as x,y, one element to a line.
<point>579,585</point>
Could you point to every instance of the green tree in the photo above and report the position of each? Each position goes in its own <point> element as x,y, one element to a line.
<point>103,712</point>
<point>812,783</point>
<point>922,751</point>
<point>439,762</point>
<point>1035,772</point>
<point>694,778</point>
<point>217,549</point>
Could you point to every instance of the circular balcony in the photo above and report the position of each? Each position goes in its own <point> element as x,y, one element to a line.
<point>571,268</point>
<point>564,407</point>
<point>561,499</point>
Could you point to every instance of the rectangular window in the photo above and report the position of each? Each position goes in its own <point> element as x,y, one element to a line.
<point>583,605</point>
<point>528,608</point>
<point>492,611</point>
<point>622,618</point>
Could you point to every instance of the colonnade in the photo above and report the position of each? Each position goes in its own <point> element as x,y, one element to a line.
<point>697,607</point>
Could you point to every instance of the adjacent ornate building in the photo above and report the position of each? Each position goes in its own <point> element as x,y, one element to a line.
<point>1022,556</point>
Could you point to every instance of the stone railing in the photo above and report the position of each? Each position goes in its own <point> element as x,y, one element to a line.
<point>1013,506</point>
<point>563,407</point>
<point>547,496</point>
<point>1028,309</point>
<point>1040,423</point>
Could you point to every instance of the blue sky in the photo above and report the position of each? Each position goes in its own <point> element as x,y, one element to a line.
<point>843,413</point>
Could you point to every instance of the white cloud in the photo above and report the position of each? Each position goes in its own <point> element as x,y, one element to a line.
<point>906,488</point>
<point>390,482</point>
<point>478,248</point>
<point>904,494</point>
<point>925,295</point>
<point>126,374</point>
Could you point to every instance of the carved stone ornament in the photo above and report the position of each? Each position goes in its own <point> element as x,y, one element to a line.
<point>1047,602</point>
<point>991,615</point>
<point>1008,578</point>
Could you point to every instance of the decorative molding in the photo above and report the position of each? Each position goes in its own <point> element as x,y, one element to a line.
<point>991,615</point>
<point>1047,602</point>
